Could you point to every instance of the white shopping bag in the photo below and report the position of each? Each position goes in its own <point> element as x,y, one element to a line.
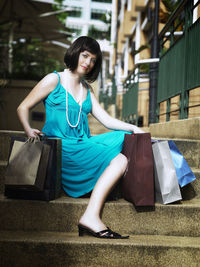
<point>167,189</point>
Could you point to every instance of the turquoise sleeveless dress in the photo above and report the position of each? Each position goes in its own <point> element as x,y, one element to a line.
<point>84,157</point>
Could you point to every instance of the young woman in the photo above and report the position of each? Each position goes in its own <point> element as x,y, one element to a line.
<point>89,163</point>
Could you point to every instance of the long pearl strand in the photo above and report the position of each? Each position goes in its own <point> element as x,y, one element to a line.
<point>79,115</point>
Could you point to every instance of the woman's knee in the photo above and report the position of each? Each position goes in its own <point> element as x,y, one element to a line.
<point>120,161</point>
<point>123,162</point>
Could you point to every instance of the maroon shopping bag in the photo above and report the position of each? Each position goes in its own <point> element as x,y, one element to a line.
<point>138,181</point>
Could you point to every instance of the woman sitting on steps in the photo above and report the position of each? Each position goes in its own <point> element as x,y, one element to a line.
<point>89,163</point>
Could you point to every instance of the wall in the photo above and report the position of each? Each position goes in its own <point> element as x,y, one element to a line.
<point>11,94</point>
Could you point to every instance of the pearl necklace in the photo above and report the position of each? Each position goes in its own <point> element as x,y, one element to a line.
<point>79,115</point>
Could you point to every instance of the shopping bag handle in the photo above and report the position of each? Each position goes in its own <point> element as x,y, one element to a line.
<point>33,139</point>
<point>37,138</point>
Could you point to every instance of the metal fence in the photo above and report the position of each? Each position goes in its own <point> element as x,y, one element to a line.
<point>179,67</point>
<point>109,96</point>
<point>130,99</point>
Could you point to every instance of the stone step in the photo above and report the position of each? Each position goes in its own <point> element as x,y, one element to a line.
<point>22,249</point>
<point>188,192</point>
<point>180,129</point>
<point>192,190</point>
<point>63,214</point>
<point>189,148</point>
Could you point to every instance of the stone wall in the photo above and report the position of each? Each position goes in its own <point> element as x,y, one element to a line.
<point>12,92</point>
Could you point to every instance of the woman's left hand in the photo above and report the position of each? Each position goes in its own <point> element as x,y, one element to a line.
<point>136,129</point>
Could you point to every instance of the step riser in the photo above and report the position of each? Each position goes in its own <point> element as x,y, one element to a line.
<point>172,220</point>
<point>191,151</point>
<point>2,179</point>
<point>23,254</point>
<point>180,129</point>
<point>193,189</point>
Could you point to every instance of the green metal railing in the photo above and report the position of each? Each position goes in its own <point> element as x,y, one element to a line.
<point>108,98</point>
<point>130,99</point>
<point>179,67</point>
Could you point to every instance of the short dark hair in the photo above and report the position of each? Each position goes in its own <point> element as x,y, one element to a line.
<point>84,43</point>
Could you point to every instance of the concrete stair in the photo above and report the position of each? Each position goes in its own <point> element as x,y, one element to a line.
<point>67,249</point>
<point>37,233</point>
<point>62,215</point>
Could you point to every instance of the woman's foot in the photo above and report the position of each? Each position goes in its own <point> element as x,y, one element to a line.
<point>93,223</point>
<point>107,233</point>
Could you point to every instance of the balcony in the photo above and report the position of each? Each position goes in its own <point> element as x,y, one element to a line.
<point>140,5</point>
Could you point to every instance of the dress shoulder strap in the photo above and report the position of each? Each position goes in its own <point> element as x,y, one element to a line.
<point>86,85</point>
<point>58,75</point>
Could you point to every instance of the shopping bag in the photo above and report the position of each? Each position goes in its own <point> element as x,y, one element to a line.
<point>27,164</point>
<point>183,171</point>
<point>166,183</point>
<point>138,180</point>
<point>52,180</point>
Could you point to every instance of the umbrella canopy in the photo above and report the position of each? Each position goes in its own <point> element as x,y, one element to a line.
<point>24,18</point>
<point>27,19</point>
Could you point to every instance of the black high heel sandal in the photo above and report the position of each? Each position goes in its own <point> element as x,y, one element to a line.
<point>107,233</point>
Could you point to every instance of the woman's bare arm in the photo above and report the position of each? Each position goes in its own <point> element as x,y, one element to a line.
<point>37,94</point>
<point>109,122</point>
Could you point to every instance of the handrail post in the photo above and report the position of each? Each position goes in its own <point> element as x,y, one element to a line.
<point>184,98</point>
<point>153,72</point>
<point>137,77</point>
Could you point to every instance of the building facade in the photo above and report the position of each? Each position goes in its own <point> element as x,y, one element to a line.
<point>92,18</point>
<point>87,14</point>
<point>133,36</point>
<point>133,33</point>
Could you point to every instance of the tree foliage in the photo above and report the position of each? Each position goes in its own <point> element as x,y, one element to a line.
<point>32,58</point>
<point>59,6</point>
<point>32,61</point>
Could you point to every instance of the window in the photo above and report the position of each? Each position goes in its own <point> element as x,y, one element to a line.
<point>75,29</point>
<point>76,12</point>
<point>98,34</point>
<point>97,14</point>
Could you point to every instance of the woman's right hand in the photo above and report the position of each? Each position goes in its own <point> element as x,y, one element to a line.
<point>33,133</point>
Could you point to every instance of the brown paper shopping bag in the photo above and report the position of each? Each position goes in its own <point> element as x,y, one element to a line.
<point>27,165</point>
<point>52,178</point>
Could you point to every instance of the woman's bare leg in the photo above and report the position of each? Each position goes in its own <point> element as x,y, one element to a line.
<point>91,217</point>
